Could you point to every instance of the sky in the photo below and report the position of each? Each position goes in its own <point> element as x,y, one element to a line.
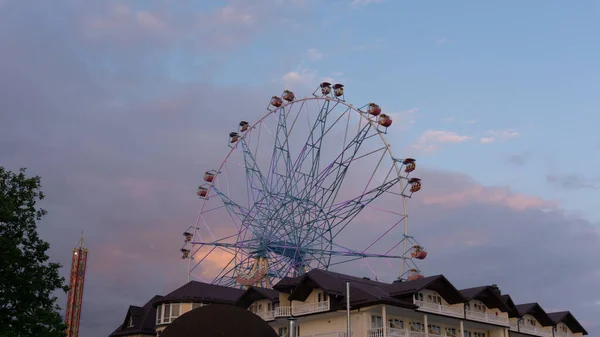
<point>120,106</point>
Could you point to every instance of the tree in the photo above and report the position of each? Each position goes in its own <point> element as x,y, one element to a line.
<point>27,279</point>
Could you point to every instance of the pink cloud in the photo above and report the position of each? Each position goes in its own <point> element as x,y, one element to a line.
<point>487,195</point>
<point>431,140</point>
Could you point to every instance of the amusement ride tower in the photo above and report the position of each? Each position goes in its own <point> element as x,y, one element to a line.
<point>75,295</point>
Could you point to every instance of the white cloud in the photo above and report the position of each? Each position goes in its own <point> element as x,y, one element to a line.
<point>499,136</point>
<point>314,54</point>
<point>431,140</point>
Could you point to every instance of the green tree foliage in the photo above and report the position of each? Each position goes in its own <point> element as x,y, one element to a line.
<point>27,279</point>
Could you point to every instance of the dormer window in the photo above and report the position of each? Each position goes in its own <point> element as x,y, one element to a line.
<point>321,297</point>
<point>434,299</point>
<point>130,322</point>
<point>419,297</point>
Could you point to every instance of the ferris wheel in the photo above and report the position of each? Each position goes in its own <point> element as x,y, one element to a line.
<point>311,184</point>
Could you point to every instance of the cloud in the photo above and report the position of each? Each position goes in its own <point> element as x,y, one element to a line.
<point>500,136</point>
<point>121,148</point>
<point>314,55</point>
<point>572,181</point>
<point>431,140</point>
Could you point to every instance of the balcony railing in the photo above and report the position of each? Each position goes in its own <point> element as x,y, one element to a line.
<point>267,316</point>
<point>534,330</point>
<point>329,334</point>
<point>296,310</point>
<point>488,318</point>
<point>563,334</point>
<point>309,308</point>
<point>392,332</point>
<point>440,309</point>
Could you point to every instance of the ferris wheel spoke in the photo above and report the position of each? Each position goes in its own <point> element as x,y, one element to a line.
<point>348,210</point>
<point>338,170</point>
<point>277,176</point>
<point>256,181</point>
<point>311,152</point>
<point>232,208</point>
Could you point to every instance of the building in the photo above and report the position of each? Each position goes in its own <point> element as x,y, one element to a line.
<point>427,307</point>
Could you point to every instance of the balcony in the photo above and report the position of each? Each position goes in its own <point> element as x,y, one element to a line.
<point>391,332</point>
<point>487,318</point>
<point>329,334</point>
<point>296,310</point>
<point>440,309</point>
<point>533,330</point>
<point>309,308</point>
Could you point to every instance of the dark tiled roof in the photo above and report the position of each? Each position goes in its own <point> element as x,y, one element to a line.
<point>567,318</point>
<point>489,295</point>
<point>437,283</point>
<point>536,311</point>
<point>144,319</point>
<point>363,292</point>
<point>511,305</point>
<point>253,294</point>
<point>194,291</point>
<point>217,321</point>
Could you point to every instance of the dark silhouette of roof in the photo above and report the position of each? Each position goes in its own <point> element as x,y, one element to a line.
<point>567,318</point>
<point>536,311</point>
<point>144,319</point>
<point>194,291</point>
<point>512,313</point>
<point>364,291</point>
<point>219,320</point>
<point>489,295</point>
<point>253,294</point>
<point>437,283</point>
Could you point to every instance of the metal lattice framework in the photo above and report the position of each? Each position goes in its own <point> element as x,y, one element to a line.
<point>295,190</point>
<point>75,294</point>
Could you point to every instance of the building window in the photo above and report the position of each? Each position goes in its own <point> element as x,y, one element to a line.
<point>435,329</point>
<point>395,323</point>
<point>417,326</point>
<point>159,314</point>
<point>167,313</point>
<point>282,332</point>
<point>467,333</point>
<point>130,322</point>
<point>451,332</point>
<point>479,307</point>
<point>376,322</point>
<point>434,299</point>
<point>321,297</point>
<point>419,297</point>
<point>478,334</point>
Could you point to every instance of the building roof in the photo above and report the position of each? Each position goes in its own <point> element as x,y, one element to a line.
<point>217,321</point>
<point>489,295</point>
<point>144,320</point>
<point>567,318</point>
<point>253,294</point>
<point>536,311</point>
<point>437,283</point>
<point>511,305</point>
<point>194,291</point>
<point>363,291</point>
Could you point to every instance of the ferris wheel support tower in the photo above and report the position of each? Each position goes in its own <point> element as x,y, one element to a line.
<point>75,294</point>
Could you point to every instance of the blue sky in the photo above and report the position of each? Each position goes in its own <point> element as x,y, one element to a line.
<point>118,105</point>
<point>526,67</point>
